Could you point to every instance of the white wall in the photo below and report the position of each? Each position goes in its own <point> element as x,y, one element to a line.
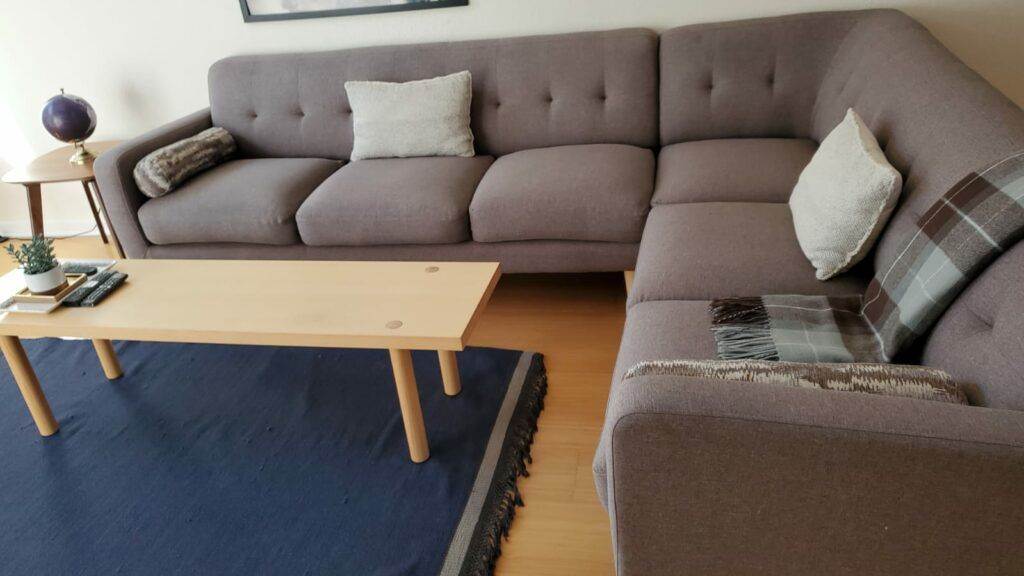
<point>143,62</point>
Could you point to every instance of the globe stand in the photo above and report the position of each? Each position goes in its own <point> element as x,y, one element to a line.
<point>81,155</point>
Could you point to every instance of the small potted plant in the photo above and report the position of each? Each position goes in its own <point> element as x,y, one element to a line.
<point>43,274</point>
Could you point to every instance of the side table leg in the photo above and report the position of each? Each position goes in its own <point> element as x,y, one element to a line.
<point>409,401</point>
<point>450,372</point>
<point>108,359</point>
<point>106,217</point>
<point>27,381</point>
<point>34,195</point>
<point>95,212</point>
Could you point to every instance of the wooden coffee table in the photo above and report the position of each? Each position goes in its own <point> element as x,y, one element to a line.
<point>398,306</point>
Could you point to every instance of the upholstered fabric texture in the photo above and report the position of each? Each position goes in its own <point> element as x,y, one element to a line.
<point>164,169</point>
<point>844,198</point>
<point>393,201</point>
<point>530,256</point>
<point>980,339</point>
<point>749,78</point>
<point>684,244</point>
<point>678,329</point>
<point>910,90</point>
<point>245,201</point>
<point>901,381</point>
<point>598,192</point>
<point>966,230</point>
<point>408,119</point>
<point>531,92</point>
<point>731,170</point>
<point>915,488</point>
<point>114,175</point>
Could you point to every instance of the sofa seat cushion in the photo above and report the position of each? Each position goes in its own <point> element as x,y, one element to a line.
<point>731,170</point>
<point>597,192</point>
<point>242,201</point>
<point>727,249</point>
<point>393,201</point>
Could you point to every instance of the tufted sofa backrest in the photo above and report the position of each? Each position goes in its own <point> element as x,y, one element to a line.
<point>747,79</point>
<point>980,339</point>
<point>531,92</point>
<point>936,119</point>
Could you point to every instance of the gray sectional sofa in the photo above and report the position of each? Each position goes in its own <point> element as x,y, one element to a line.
<point>682,148</point>
<point>565,129</point>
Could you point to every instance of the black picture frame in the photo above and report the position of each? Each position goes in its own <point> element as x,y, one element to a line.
<point>248,16</point>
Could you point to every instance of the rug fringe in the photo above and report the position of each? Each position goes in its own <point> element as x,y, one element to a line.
<point>742,329</point>
<point>504,494</point>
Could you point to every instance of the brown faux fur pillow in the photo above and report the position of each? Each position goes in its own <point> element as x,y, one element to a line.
<point>164,169</point>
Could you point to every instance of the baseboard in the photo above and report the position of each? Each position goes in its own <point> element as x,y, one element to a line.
<point>53,228</point>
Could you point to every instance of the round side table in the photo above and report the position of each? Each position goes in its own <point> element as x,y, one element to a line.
<point>54,167</point>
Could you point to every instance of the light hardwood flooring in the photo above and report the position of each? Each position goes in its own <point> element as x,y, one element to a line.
<point>576,322</point>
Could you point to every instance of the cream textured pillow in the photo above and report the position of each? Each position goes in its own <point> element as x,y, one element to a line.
<point>844,198</point>
<point>421,118</point>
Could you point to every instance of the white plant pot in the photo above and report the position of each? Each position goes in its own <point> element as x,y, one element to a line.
<point>49,282</point>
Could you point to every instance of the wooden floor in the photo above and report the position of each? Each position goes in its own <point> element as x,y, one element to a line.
<point>576,322</point>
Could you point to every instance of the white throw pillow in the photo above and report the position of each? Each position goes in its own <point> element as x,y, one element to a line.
<point>844,198</point>
<point>420,118</point>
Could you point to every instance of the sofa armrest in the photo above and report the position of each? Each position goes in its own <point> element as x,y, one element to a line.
<point>712,477</point>
<point>113,169</point>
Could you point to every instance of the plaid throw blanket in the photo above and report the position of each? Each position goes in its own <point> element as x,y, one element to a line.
<point>964,231</point>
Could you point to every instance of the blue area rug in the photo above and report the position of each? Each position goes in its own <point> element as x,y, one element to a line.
<point>253,460</point>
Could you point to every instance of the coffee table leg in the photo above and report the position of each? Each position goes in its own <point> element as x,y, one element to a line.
<point>450,372</point>
<point>409,400</point>
<point>108,359</point>
<point>27,381</point>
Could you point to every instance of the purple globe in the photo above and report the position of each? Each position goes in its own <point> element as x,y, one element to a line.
<point>69,118</point>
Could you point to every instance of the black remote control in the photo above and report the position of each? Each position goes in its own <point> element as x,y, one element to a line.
<point>104,289</point>
<point>75,298</point>
<point>79,269</point>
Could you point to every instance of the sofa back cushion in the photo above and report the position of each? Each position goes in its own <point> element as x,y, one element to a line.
<point>980,339</point>
<point>936,119</point>
<point>938,122</point>
<point>747,79</point>
<point>532,92</point>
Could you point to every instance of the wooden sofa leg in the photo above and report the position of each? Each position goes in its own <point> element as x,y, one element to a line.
<point>628,274</point>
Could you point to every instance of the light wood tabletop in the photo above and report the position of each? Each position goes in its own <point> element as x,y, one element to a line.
<point>54,166</point>
<point>399,306</point>
<point>281,303</point>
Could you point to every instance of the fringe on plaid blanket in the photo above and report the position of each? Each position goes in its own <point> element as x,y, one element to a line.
<point>956,239</point>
